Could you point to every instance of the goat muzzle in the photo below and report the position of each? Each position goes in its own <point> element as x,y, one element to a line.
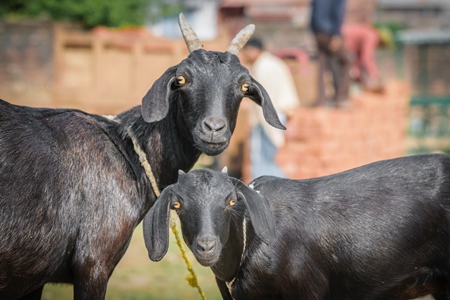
<point>207,251</point>
<point>214,124</point>
<point>206,244</point>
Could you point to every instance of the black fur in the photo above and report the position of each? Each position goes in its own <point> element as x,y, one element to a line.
<point>72,188</point>
<point>380,231</point>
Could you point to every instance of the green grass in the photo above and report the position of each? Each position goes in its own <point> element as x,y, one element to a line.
<point>136,277</point>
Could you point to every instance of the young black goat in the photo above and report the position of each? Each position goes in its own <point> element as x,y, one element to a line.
<point>72,188</point>
<point>380,231</point>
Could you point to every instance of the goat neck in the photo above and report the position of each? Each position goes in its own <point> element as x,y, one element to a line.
<point>168,148</point>
<point>233,252</point>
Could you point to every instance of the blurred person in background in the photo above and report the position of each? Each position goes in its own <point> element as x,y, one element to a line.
<point>326,21</point>
<point>361,41</point>
<point>275,76</point>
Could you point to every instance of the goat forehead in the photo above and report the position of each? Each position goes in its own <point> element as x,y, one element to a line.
<point>204,186</point>
<point>213,63</point>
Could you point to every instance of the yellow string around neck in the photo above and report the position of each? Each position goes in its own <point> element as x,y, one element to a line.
<point>192,277</point>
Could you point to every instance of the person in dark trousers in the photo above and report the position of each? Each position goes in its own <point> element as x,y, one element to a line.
<point>326,20</point>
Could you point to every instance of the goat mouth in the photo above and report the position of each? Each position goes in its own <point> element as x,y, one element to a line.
<point>212,148</point>
<point>207,260</point>
<point>215,144</point>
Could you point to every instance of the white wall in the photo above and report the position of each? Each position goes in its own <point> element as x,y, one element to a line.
<point>202,17</point>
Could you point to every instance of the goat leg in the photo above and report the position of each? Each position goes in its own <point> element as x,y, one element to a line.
<point>90,285</point>
<point>34,295</point>
<point>443,295</point>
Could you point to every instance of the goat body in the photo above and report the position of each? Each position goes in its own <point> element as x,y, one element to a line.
<point>72,188</point>
<point>70,199</point>
<point>380,231</point>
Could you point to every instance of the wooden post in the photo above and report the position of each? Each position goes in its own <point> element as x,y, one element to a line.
<point>58,49</point>
<point>97,49</point>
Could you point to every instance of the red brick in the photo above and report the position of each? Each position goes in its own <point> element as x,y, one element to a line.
<point>321,141</point>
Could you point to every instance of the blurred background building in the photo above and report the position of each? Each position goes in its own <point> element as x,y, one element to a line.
<point>202,15</point>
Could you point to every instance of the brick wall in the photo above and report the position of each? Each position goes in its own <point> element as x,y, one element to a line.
<point>323,141</point>
<point>102,71</point>
<point>26,59</point>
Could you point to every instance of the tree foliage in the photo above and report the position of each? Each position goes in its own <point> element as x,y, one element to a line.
<point>88,13</point>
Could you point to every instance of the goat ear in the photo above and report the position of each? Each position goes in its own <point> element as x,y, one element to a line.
<point>155,104</point>
<point>259,95</point>
<point>156,227</point>
<point>259,210</point>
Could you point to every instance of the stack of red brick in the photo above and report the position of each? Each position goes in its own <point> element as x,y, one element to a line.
<point>321,141</point>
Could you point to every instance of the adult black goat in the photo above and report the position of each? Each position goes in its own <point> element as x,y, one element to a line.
<point>72,188</point>
<point>380,231</point>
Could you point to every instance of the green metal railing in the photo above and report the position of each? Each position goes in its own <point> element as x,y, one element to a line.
<point>429,124</point>
<point>429,118</point>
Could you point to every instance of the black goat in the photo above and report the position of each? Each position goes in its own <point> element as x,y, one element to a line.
<point>380,231</point>
<point>72,188</point>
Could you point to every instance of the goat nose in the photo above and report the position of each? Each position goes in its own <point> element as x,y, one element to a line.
<point>214,124</point>
<point>206,244</point>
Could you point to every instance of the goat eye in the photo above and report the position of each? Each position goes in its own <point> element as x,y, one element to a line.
<point>181,80</point>
<point>232,203</point>
<point>176,205</point>
<point>245,87</point>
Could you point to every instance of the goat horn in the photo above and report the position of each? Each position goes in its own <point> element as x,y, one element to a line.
<point>241,39</point>
<point>191,39</point>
